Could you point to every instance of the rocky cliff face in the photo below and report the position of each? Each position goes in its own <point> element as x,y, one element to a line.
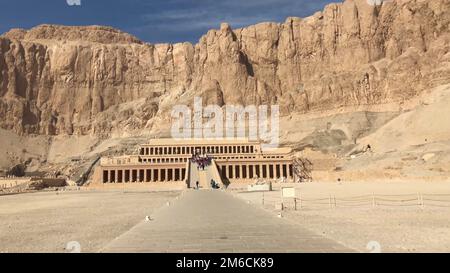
<point>57,80</point>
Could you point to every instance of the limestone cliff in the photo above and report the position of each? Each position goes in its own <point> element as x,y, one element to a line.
<point>57,80</point>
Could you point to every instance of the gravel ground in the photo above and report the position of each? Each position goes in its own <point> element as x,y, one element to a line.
<point>48,221</point>
<point>410,228</point>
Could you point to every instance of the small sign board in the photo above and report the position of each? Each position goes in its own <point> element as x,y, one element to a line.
<point>288,192</point>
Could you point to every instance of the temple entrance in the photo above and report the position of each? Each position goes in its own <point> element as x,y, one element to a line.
<point>204,173</point>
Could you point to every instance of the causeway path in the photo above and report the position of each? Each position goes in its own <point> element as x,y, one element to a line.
<point>216,221</point>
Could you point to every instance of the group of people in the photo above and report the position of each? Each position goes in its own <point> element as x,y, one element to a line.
<point>214,185</point>
<point>201,162</point>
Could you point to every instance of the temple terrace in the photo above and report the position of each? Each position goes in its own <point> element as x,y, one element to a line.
<point>197,163</point>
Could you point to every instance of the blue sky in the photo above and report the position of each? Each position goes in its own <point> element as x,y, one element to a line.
<point>154,21</point>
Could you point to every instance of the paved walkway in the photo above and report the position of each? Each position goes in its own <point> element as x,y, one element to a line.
<point>216,221</point>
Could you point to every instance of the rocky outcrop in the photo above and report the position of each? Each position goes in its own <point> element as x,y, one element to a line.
<point>94,34</point>
<point>97,80</point>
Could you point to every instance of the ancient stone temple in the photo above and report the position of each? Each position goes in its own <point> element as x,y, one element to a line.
<point>197,162</point>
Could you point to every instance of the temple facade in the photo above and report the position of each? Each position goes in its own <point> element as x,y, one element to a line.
<point>168,160</point>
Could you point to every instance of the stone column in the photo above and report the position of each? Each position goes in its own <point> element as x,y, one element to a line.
<point>183,173</point>
<point>105,179</point>
<point>284,170</point>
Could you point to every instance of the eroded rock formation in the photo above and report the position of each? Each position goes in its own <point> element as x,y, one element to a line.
<point>57,80</point>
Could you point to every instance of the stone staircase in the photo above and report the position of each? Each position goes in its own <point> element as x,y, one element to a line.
<point>302,169</point>
<point>204,176</point>
<point>203,179</point>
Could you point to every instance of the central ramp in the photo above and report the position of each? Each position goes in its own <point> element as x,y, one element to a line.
<point>204,176</point>
<point>215,221</point>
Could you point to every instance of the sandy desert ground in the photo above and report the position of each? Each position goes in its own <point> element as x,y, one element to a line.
<point>397,226</point>
<point>344,212</point>
<point>48,221</point>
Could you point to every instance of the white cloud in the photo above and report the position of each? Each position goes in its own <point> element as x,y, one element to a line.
<point>198,16</point>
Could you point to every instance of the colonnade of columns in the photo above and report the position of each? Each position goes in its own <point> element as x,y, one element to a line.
<point>144,175</point>
<point>261,170</point>
<point>186,150</point>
